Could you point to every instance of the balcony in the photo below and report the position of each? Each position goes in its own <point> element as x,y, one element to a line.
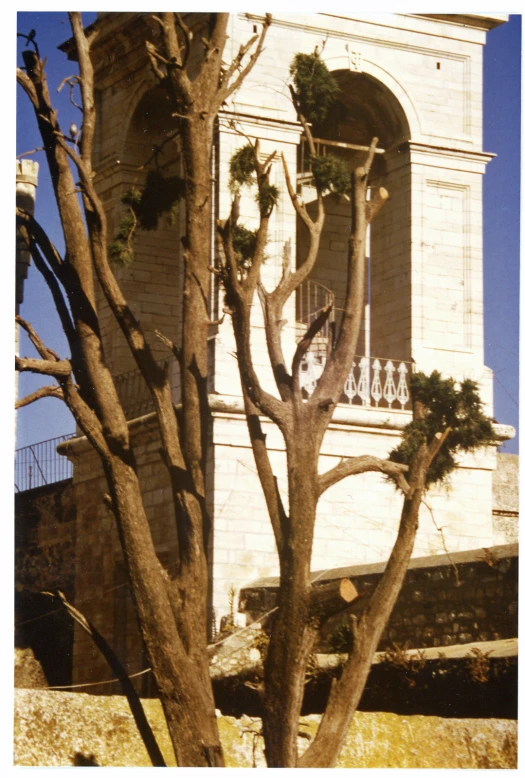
<point>40,464</point>
<point>373,382</point>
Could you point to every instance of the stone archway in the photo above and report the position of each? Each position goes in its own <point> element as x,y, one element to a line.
<point>366,108</point>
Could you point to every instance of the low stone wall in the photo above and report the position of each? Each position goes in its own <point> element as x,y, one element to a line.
<point>61,729</point>
<point>445,600</point>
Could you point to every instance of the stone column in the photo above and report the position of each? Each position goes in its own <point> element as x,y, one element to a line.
<point>26,183</point>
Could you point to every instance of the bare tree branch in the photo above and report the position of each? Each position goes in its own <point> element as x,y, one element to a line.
<point>56,292</point>
<point>41,237</point>
<point>227,89</point>
<point>86,82</point>
<point>174,62</point>
<point>44,391</point>
<point>375,204</point>
<point>267,478</point>
<point>28,153</point>
<point>188,36</point>
<point>60,369</point>
<point>26,84</point>
<point>175,350</point>
<point>364,464</point>
<point>44,351</point>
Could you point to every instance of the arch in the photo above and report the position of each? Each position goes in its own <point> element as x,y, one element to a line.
<point>147,124</point>
<point>388,91</point>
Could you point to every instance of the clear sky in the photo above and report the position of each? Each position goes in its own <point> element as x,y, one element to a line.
<point>502,107</point>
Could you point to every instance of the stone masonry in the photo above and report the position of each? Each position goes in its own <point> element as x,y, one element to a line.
<point>459,598</point>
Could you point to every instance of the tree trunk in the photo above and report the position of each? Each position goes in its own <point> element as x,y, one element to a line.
<point>292,632</point>
<point>187,705</point>
<point>347,691</point>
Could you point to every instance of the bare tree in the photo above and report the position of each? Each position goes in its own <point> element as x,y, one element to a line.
<point>171,611</point>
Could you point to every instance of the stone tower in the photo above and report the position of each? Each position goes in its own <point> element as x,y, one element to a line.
<point>413,80</point>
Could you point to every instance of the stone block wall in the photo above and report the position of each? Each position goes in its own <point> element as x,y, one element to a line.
<point>45,560</point>
<point>101,588</point>
<point>45,535</point>
<point>456,598</point>
<point>505,498</point>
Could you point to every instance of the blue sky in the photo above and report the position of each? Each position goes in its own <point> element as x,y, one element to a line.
<point>502,109</point>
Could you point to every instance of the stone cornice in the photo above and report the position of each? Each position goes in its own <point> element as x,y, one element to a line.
<point>305,23</point>
<point>477,21</point>
<point>437,156</point>
<point>377,420</point>
<point>445,151</point>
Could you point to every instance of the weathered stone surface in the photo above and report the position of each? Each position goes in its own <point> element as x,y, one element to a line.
<point>57,728</point>
<point>505,483</point>
<point>45,538</point>
<point>28,671</point>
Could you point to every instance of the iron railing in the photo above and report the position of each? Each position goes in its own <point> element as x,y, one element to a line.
<point>311,299</point>
<point>372,382</point>
<point>134,394</point>
<point>40,464</point>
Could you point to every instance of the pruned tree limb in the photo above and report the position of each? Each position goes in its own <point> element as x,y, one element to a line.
<point>87,82</point>
<point>24,218</point>
<point>57,369</point>
<point>375,204</point>
<point>188,36</point>
<point>28,153</point>
<point>44,391</point>
<point>364,464</point>
<point>330,383</point>
<point>56,292</point>
<point>27,85</point>
<point>227,89</point>
<point>174,63</point>
<point>43,350</point>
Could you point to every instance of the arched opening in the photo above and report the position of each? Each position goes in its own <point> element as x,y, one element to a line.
<point>364,109</point>
<point>152,281</point>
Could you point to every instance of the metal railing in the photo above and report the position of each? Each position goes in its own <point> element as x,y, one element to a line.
<point>372,382</point>
<point>134,394</point>
<point>311,299</point>
<point>39,464</point>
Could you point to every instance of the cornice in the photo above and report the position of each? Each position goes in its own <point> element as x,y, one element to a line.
<point>476,21</point>
<point>288,22</point>
<point>415,152</point>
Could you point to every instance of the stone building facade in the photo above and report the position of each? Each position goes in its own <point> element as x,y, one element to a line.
<point>415,81</point>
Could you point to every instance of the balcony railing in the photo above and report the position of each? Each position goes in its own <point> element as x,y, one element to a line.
<point>40,464</point>
<point>311,299</point>
<point>134,393</point>
<point>372,382</point>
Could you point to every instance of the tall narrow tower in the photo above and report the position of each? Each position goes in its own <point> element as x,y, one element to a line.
<point>26,184</point>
